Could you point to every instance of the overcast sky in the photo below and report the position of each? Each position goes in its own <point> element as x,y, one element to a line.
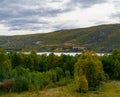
<point>41,16</point>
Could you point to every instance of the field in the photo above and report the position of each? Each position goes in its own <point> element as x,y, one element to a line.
<point>109,89</point>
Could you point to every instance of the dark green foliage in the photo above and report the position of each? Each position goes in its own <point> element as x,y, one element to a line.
<point>64,81</point>
<point>5,65</point>
<point>67,63</point>
<point>21,79</point>
<point>15,59</point>
<point>42,64</point>
<point>51,62</point>
<point>60,73</point>
<point>21,72</point>
<point>38,80</point>
<point>67,74</point>
<point>3,73</point>
<point>3,56</point>
<point>51,74</point>
<point>111,64</point>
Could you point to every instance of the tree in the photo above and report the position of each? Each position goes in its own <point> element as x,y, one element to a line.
<point>31,61</point>
<point>81,83</point>
<point>5,66</point>
<point>90,66</point>
<point>59,73</point>
<point>111,64</point>
<point>42,63</point>
<point>51,61</point>
<point>21,79</point>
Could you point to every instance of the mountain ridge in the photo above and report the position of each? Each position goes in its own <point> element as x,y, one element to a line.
<point>102,38</point>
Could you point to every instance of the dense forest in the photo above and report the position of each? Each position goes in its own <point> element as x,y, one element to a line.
<point>28,72</point>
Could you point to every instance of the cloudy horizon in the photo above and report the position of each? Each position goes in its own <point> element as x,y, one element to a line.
<point>41,16</point>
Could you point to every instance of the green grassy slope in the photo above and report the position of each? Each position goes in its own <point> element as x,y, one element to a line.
<point>99,38</point>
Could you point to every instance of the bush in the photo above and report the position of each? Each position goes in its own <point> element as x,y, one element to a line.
<point>51,74</point>
<point>59,72</point>
<point>34,77</point>
<point>21,84</point>
<point>82,84</point>
<point>67,74</point>
<point>5,70</point>
<point>63,82</point>
<point>21,79</point>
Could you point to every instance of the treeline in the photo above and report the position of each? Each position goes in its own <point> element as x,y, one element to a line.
<point>22,72</point>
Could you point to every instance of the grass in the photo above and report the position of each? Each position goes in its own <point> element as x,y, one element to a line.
<point>109,89</point>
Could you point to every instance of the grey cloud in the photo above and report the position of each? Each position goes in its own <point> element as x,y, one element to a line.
<point>116,16</point>
<point>25,27</point>
<point>29,14</point>
<point>22,22</point>
<point>86,3</point>
<point>65,25</point>
<point>25,24</point>
<point>19,14</point>
<point>29,23</point>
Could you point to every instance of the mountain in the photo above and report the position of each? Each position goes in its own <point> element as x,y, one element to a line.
<point>102,38</point>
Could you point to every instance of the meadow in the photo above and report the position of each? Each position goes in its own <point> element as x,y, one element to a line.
<point>109,89</point>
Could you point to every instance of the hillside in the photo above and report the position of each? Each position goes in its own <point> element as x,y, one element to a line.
<point>99,38</point>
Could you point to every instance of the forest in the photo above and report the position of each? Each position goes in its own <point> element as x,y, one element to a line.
<point>29,72</point>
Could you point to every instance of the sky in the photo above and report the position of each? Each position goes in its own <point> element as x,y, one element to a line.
<point>41,16</point>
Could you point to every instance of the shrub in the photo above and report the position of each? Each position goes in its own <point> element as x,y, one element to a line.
<point>21,79</point>
<point>59,72</point>
<point>82,84</point>
<point>67,74</point>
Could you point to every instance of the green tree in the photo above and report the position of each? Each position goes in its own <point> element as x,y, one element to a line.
<point>90,66</point>
<point>42,63</point>
<point>51,61</point>
<point>5,65</point>
<point>111,64</point>
<point>59,72</point>
<point>15,59</point>
<point>21,79</point>
<point>31,61</point>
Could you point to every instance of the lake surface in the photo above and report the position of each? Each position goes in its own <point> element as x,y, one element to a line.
<point>65,53</point>
<point>59,53</point>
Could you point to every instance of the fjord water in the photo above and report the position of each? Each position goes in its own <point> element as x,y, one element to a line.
<point>65,53</point>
